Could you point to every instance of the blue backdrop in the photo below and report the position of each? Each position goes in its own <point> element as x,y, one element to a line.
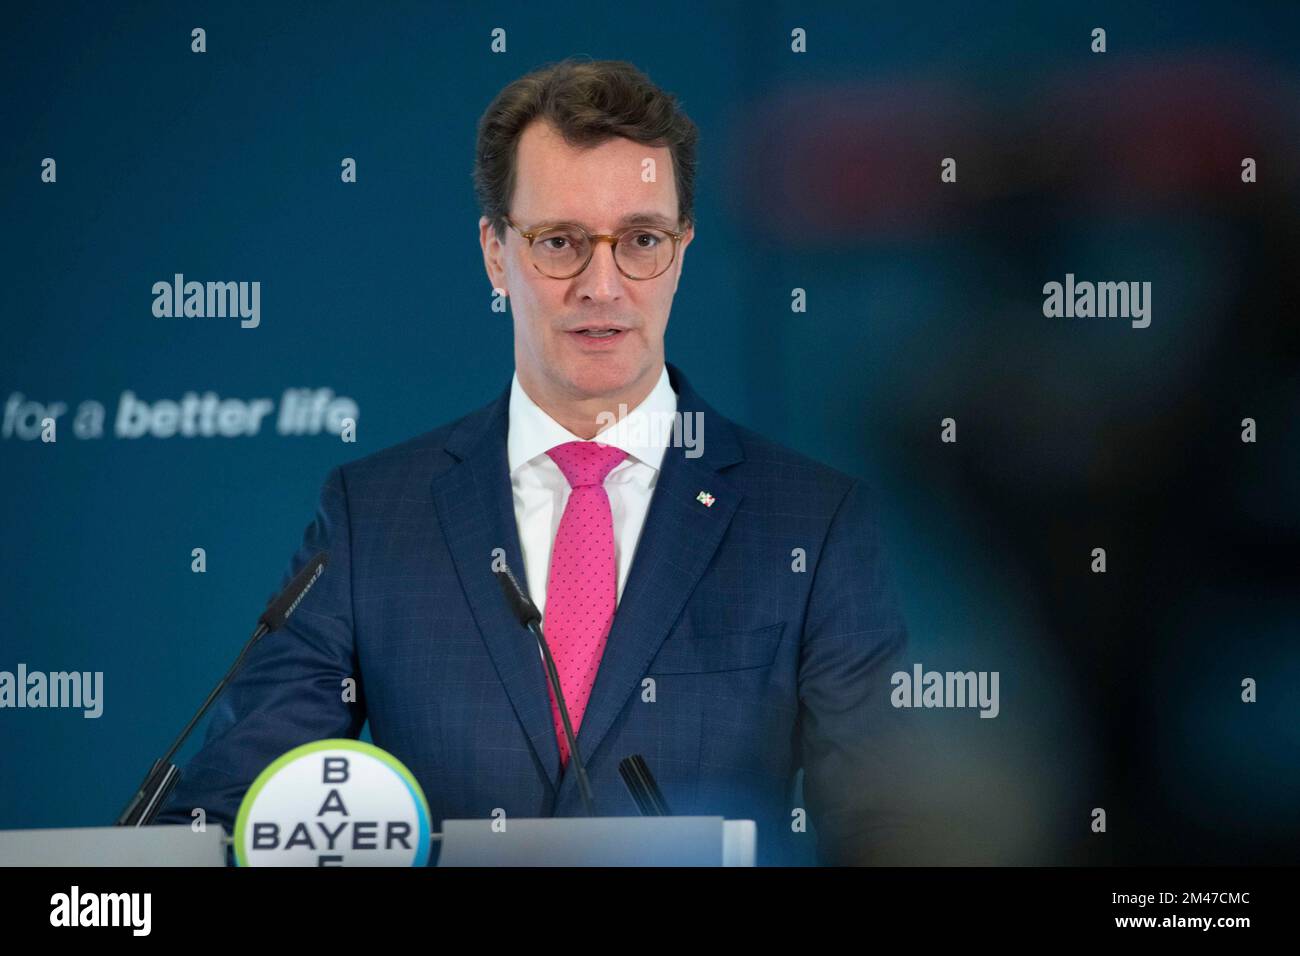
<point>818,171</point>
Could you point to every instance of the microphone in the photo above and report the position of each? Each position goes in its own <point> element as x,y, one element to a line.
<point>525,611</point>
<point>521,606</point>
<point>286,602</point>
<point>641,783</point>
<point>164,775</point>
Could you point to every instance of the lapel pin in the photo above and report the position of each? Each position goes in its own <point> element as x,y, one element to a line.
<point>705,499</point>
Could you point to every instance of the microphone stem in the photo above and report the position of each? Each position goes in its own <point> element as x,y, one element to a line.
<point>584,786</point>
<point>216,692</point>
<point>163,775</point>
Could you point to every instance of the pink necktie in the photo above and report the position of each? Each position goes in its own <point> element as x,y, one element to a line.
<point>582,584</point>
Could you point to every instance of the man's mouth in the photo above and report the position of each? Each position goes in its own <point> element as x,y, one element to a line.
<point>599,336</point>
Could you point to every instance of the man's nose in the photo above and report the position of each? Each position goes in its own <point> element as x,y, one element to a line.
<point>601,280</point>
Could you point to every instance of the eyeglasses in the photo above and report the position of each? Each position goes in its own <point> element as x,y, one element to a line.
<point>562,250</point>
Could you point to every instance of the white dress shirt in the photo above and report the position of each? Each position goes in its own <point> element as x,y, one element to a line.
<point>541,491</point>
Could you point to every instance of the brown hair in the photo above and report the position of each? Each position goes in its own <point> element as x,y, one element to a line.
<point>588,102</point>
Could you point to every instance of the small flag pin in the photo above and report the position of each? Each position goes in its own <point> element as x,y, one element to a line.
<point>705,499</point>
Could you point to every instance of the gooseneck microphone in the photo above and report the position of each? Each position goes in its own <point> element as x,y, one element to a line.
<point>641,783</point>
<point>163,776</point>
<point>525,611</point>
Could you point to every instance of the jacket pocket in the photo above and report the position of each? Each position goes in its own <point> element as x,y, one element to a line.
<point>717,651</point>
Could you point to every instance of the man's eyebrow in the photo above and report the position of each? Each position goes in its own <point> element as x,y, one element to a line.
<point>646,219</point>
<point>631,219</point>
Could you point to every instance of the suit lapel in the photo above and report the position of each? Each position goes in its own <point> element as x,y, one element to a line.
<point>475,508</point>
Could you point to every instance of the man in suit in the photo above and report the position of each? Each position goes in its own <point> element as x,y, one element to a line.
<point>715,603</point>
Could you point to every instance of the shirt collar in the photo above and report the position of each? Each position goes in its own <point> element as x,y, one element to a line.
<point>643,432</point>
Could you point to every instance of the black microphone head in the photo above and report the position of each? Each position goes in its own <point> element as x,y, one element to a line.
<point>284,603</point>
<point>524,610</point>
<point>642,786</point>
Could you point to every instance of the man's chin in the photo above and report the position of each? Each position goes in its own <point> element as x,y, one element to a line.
<point>602,380</point>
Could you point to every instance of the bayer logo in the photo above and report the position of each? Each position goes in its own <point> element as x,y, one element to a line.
<point>333,803</point>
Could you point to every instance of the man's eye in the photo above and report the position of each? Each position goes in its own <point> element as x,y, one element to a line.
<point>554,243</point>
<point>645,240</point>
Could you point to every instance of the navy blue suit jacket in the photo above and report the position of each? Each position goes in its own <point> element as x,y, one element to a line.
<point>729,665</point>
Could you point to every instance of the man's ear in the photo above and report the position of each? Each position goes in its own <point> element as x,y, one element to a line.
<point>681,254</point>
<point>493,254</point>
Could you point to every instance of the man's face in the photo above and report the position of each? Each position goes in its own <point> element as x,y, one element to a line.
<point>597,188</point>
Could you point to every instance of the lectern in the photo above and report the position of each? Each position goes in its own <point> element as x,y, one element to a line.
<point>598,841</point>
<point>176,845</point>
<point>550,841</point>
